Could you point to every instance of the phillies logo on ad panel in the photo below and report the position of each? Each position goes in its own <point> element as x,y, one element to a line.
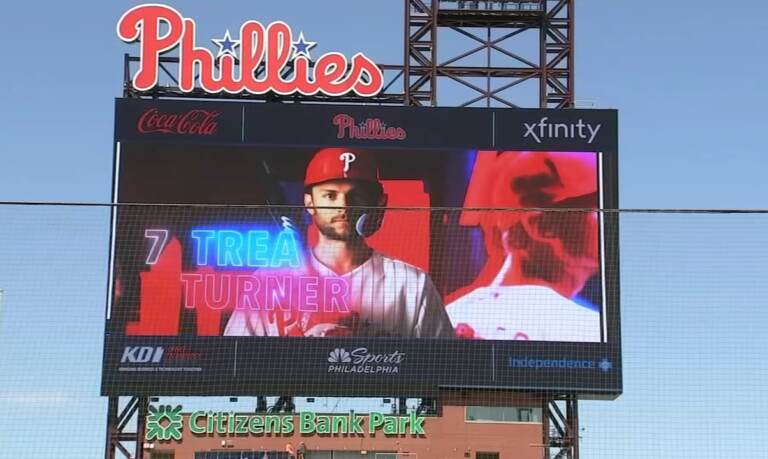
<point>192,122</point>
<point>263,53</point>
<point>370,129</point>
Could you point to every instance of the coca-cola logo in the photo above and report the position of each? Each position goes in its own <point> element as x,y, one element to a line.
<point>193,122</point>
<point>369,129</point>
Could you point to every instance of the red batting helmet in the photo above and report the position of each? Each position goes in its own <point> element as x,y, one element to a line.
<point>544,179</point>
<point>341,164</point>
<point>550,180</point>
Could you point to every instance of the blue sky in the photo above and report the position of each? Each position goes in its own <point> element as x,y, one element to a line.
<point>687,77</point>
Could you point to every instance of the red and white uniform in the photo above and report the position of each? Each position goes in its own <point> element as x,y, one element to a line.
<point>522,312</point>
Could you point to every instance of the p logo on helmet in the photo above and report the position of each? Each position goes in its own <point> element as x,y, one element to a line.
<point>341,163</point>
<point>348,157</point>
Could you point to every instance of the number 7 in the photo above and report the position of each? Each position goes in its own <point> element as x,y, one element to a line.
<point>159,238</point>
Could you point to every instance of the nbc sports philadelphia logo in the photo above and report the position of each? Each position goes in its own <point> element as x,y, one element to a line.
<point>339,356</point>
<point>362,360</point>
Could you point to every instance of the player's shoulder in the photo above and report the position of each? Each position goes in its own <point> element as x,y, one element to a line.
<point>468,303</point>
<point>535,297</point>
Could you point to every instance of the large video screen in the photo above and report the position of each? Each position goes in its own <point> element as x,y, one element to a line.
<point>332,250</point>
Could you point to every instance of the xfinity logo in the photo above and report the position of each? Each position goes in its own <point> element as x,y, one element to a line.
<point>142,354</point>
<point>546,130</point>
<point>361,360</point>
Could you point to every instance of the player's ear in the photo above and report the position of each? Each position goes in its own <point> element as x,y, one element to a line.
<point>309,205</point>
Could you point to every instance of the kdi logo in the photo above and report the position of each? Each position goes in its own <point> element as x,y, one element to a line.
<point>142,354</point>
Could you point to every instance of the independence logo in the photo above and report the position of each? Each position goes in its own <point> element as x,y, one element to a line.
<point>603,365</point>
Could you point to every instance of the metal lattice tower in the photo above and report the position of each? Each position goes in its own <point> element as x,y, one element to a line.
<point>560,427</point>
<point>503,57</point>
<point>496,29</point>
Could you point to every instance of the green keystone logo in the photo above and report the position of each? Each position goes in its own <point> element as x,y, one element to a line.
<point>164,423</point>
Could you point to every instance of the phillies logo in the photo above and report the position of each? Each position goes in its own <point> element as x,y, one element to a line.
<point>193,122</point>
<point>263,54</point>
<point>348,158</point>
<point>370,129</point>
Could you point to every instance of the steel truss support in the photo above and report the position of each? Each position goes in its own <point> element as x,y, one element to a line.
<point>283,404</point>
<point>126,427</point>
<point>420,71</point>
<point>557,55</point>
<point>560,428</point>
<point>496,62</point>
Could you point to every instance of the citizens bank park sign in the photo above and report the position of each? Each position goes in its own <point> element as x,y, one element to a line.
<point>254,62</point>
<point>166,422</point>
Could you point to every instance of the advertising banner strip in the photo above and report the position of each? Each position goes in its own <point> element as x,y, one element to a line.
<point>380,126</point>
<point>353,367</point>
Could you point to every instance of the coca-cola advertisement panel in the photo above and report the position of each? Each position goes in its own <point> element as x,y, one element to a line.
<point>199,122</point>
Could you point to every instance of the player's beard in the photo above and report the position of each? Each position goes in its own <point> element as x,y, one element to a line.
<point>328,230</point>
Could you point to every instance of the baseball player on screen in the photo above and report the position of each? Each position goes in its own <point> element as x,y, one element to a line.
<point>539,260</point>
<point>386,297</point>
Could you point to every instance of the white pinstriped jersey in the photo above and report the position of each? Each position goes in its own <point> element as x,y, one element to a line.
<point>386,297</point>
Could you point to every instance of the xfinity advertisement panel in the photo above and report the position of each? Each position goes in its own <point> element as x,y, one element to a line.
<point>349,250</point>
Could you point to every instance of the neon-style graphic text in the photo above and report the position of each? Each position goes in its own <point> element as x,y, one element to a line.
<point>266,292</point>
<point>254,248</point>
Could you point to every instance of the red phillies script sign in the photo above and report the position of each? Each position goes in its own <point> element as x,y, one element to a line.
<point>193,122</point>
<point>160,28</point>
<point>370,129</point>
